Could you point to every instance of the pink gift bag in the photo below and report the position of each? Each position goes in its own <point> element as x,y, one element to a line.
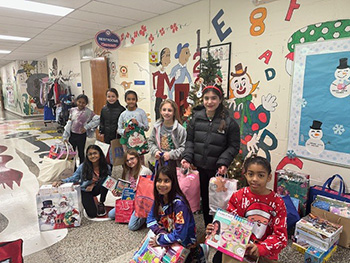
<point>189,184</point>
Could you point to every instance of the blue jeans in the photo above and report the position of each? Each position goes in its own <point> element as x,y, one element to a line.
<point>135,223</point>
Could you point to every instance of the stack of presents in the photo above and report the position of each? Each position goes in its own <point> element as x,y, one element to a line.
<point>318,217</point>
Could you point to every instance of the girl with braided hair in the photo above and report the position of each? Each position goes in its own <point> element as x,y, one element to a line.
<point>212,142</point>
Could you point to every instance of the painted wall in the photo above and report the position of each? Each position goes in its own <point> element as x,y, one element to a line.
<point>259,37</point>
<point>22,88</point>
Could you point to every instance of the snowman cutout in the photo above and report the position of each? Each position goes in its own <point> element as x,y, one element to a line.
<point>340,87</point>
<point>314,144</point>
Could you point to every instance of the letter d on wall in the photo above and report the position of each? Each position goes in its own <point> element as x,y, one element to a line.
<point>218,26</point>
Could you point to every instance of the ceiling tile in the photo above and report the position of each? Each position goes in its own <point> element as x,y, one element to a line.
<point>103,19</point>
<point>118,11</point>
<point>7,12</point>
<point>65,3</point>
<point>153,6</point>
<point>86,24</point>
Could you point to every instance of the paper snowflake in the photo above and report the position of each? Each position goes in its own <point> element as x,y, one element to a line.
<point>338,129</point>
<point>291,154</point>
<point>302,102</point>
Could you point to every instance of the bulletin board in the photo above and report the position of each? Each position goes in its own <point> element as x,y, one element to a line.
<point>319,127</point>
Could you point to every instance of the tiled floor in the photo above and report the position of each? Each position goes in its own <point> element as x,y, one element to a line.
<point>22,145</point>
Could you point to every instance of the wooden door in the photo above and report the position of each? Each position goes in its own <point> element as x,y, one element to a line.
<point>99,79</point>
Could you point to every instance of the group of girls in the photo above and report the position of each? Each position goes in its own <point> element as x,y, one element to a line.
<point>210,144</point>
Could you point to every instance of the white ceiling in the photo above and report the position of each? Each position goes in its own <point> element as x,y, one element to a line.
<point>53,33</point>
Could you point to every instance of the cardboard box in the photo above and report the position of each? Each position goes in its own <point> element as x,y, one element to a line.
<point>318,232</point>
<point>344,239</point>
<point>56,211</point>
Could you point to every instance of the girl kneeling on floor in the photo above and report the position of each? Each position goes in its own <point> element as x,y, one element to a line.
<point>262,206</point>
<point>91,175</point>
<point>132,169</point>
<point>171,219</point>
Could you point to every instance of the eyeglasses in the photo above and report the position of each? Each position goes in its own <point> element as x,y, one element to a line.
<point>131,159</point>
<point>93,153</point>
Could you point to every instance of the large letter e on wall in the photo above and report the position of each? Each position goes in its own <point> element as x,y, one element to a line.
<point>218,26</point>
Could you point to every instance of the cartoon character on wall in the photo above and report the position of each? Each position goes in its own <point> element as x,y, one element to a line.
<point>10,93</point>
<point>27,68</point>
<point>316,32</point>
<point>180,71</point>
<point>250,119</point>
<point>113,70</point>
<point>314,144</point>
<point>162,78</point>
<point>340,87</point>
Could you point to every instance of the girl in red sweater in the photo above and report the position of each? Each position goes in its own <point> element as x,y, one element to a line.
<point>263,207</point>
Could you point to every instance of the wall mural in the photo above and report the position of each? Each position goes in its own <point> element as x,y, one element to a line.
<point>160,78</point>
<point>316,32</point>
<point>151,36</point>
<point>251,119</point>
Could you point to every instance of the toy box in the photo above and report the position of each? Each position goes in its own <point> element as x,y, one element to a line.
<point>176,253</point>
<point>231,234</point>
<point>56,210</point>
<point>318,232</point>
<point>47,189</point>
<point>315,255</point>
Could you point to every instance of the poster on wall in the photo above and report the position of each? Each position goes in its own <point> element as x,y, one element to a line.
<point>123,71</point>
<point>223,53</point>
<point>319,127</point>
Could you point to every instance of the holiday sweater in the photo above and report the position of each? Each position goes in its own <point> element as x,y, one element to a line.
<point>127,115</point>
<point>174,225</point>
<point>269,215</point>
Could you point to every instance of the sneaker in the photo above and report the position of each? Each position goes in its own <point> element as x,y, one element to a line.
<point>101,211</point>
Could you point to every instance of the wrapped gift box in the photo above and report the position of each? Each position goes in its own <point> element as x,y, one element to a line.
<point>56,210</point>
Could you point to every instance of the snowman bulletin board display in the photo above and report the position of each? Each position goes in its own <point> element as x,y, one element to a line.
<point>319,125</point>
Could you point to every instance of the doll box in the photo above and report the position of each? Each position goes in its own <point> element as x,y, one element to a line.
<point>56,210</point>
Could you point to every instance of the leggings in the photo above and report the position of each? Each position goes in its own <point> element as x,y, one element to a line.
<point>78,140</point>
<point>204,177</point>
<point>88,198</point>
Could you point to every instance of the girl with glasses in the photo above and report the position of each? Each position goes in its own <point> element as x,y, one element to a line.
<point>132,169</point>
<point>91,175</point>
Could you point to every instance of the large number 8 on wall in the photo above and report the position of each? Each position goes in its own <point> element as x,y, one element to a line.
<point>257,22</point>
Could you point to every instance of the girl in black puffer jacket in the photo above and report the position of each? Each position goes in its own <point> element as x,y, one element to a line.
<point>110,115</point>
<point>213,140</point>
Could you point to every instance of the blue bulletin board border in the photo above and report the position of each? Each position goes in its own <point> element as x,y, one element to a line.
<point>314,105</point>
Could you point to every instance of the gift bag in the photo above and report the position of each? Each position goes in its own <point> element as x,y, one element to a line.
<point>189,184</point>
<point>11,251</point>
<point>144,196</point>
<point>294,184</point>
<point>59,210</point>
<point>220,192</point>
<point>123,210</point>
<point>292,213</point>
<point>136,139</point>
<point>52,170</point>
<point>327,191</point>
<point>116,151</point>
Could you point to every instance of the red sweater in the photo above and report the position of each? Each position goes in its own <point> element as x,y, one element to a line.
<point>269,215</point>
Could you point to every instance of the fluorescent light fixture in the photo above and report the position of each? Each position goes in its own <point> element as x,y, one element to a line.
<point>5,51</point>
<point>36,7</point>
<point>4,37</point>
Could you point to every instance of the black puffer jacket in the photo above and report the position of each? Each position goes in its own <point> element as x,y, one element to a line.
<point>208,148</point>
<point>109,120</point>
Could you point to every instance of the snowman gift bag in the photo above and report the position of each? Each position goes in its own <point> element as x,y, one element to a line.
<point>136,139</point>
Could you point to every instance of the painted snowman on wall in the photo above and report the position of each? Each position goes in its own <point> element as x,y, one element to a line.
<point>340,87</point>
<point>314,144</point>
